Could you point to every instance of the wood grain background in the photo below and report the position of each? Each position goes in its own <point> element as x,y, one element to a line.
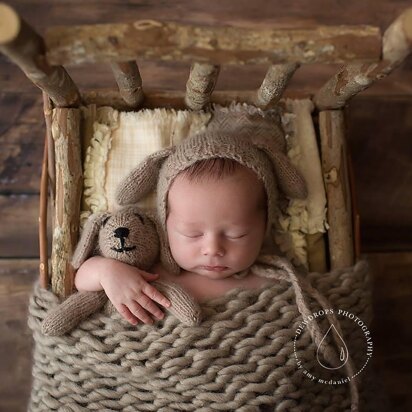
<point>379,124</point>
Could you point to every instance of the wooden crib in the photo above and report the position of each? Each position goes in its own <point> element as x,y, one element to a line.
<point>365,54</point>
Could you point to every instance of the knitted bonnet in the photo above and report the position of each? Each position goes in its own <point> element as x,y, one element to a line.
<point>239,132</point>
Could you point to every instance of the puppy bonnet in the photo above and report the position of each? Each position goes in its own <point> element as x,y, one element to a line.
<point>243,133</point>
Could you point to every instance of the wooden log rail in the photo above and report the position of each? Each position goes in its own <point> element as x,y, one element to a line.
<point>26,49</point>
<point>155,40</point>
<point>355,77</point>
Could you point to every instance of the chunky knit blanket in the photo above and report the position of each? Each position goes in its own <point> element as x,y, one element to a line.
<point>243,357</point>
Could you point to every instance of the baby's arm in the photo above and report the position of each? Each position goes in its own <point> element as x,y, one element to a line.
<point>126,286</point>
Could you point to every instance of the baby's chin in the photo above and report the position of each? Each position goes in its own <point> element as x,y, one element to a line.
<point>216,274</point>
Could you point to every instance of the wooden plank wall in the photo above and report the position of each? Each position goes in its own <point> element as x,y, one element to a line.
<point>379,124</point>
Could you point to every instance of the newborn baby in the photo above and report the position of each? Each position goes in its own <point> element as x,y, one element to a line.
<point>216,202</point>
<point>216,221</point>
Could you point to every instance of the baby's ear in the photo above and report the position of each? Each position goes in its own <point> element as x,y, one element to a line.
<point>88,239</point>
<point>143,179</point>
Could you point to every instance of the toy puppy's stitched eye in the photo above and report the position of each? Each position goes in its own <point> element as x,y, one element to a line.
<point>105,221</point>
<point>141,219</point>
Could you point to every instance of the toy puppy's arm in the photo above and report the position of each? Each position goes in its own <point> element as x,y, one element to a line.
<point>81,305</point>
<point>76,308</point>
<point>184,307</point>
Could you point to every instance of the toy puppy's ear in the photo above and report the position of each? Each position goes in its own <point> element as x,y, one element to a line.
<point>143,179</point>
<point>88,239</point>
<point>165,254</point>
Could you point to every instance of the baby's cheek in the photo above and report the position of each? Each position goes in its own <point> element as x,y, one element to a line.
<point>180,249</point>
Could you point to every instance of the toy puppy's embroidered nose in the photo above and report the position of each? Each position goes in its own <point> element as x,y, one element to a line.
<point>121,232</point>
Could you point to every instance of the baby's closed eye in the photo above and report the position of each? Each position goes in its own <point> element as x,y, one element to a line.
<point>236,236</point>
<point>231,236</point>
<point>192,235</point>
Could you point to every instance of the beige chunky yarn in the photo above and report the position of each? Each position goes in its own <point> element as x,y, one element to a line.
<point>240,358</point>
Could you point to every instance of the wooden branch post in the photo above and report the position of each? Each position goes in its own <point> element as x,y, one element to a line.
<point>274,84</point>
<point>44,256</point>
<point>335,172</point>
<point>201,83</point>
<point>353,78</point>
<point>66,135</point>
<point>24,47</point>
<point>128,79</point>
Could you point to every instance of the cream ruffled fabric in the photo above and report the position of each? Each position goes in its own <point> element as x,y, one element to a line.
<point>121,140</point>
<point>306,216</point>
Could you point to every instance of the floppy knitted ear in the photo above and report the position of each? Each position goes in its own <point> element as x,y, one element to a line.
<point>88,239</point>
<point>142,179</point>
<point>289,179</point>
<point>264,132</point>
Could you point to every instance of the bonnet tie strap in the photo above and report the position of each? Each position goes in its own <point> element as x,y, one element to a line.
<point>275,267</point>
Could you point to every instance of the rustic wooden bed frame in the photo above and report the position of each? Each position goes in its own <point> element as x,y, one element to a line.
<point>365,54</point>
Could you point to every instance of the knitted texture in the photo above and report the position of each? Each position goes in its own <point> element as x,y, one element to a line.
<point>183,307</point>
<point>75,308</point>
<point>240,358</point>
<point>242,133</point>
<point>128,235</point>
<point>80,305</point>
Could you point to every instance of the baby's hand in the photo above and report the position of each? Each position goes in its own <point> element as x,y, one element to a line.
<point>130,293</point>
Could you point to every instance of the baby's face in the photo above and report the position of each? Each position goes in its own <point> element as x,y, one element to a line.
<point>216,227</point>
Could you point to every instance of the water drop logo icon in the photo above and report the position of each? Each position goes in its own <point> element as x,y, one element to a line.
<point>343,350</point>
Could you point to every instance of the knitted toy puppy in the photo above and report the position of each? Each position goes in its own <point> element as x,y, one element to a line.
<point>130,236</point>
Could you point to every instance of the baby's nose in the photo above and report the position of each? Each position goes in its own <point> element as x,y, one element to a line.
<point>213,247</point>
<point>121,232</point>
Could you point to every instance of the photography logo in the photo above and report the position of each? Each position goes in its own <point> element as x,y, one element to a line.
<point>318,369</point>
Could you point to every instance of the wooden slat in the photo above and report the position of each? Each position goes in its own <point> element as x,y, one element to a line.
<point>21,136</point>
<point>16,281</point>
<point>379,134</point>
<point>152,39</point>
<point>22,45</point>
<point>19,233</point>
<point>391,331</point>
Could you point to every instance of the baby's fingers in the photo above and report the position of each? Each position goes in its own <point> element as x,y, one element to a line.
<point>152,293</point>
<point>127,314</point>
<point>149,277</point>
<point>140,313</point>
<point>150,306</point>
